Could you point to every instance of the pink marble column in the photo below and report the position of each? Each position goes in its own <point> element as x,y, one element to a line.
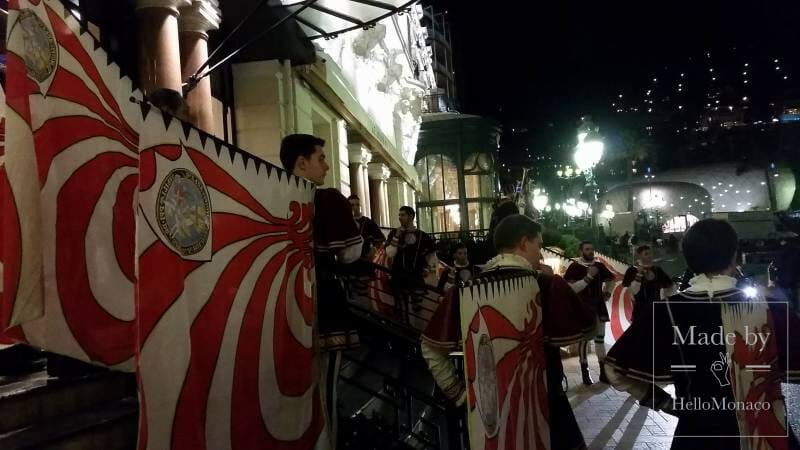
<point>159,52</point>
<point>194,24</point>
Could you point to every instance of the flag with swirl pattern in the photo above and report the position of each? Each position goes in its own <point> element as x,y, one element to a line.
<point>501,325</point>
<point>72,130</point>
<point>141,248</point>
<point>225,304</point>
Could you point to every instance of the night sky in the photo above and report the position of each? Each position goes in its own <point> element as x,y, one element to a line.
<point>551,62</point>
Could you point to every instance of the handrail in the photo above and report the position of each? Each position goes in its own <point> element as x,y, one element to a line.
<point>403,303</point>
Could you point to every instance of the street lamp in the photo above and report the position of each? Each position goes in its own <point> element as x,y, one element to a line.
<point>540,199</point>
<point>608,213</point>
<point>588,152</point>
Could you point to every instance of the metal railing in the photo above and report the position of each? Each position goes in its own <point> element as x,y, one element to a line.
<point>436,103</point>
<point>402,304</point>
<point>395,396</point>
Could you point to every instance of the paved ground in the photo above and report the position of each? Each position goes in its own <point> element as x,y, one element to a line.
<point>612,420</point>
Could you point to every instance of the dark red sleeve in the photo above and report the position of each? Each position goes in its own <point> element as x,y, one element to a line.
<point>334,226</point>
<point>664,280</point>
<point>575,272</point>
<point>606,273</point>
<point>374,232</point>
<point>645,350</point>
<point>444,328</point>
<point>428,245</point>
<point>630,276</point>
<point>567,319</point>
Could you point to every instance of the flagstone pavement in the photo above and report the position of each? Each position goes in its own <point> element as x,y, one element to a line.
<point>610,419</point>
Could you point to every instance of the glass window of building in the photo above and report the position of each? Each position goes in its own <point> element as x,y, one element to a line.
<point>439,176</point>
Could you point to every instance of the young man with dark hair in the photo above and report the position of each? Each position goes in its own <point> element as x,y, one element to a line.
<point>412,251</point>
<point>645,282</point>
<point>461,270</point>
<point>566,320</point>
<point>716,345</point>
<point>369,230</point>
<point>336,241</point>
<point>593,282</point>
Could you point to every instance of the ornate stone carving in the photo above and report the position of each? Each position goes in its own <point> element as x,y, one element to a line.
<point>201,17</point>
<point>379,171</point>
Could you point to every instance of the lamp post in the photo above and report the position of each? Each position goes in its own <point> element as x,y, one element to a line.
<point>588,154</point>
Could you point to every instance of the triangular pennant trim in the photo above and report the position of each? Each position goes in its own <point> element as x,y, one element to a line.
<point>187,128</point>
<point>167,119</point>
<point>145,107</point>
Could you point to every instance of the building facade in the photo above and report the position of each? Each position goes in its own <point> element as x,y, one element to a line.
<point>362,91</point>
<point>363,95</point>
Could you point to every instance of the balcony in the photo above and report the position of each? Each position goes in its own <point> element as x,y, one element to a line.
<point>436,103</point>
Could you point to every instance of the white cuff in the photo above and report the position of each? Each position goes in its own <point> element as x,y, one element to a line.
<point>578,286</point>
<point>443,371</point>
<point>350,253</point>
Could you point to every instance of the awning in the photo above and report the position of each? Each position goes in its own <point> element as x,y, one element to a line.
<point>317,19</point>
<point>327,18</point>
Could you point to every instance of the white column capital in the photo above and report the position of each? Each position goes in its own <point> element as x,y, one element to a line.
<point>379,171</point>
<point>358,154</point>
<point>172,5</point>
<point>399,182</point>
<point>200,17</point>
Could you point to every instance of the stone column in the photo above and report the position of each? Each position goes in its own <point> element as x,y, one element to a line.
<point>396,187</point>
<point>194,24</point>
<point>159,52</point>
<point>368,193</point>
<point>360,157</point>
<point>378,174</point>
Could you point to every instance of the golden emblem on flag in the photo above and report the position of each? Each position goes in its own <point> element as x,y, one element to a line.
<point>184,211</point>
<point>40,52</point>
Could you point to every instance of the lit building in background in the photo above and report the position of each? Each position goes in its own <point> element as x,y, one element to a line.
<point>456,153</point>
<point>456,163</point>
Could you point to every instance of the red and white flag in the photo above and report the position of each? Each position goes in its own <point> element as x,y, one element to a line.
<point>225,305</point>
<point>75,128</point>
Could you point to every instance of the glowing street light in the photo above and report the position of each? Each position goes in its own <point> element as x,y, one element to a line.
<point>608,213</point>
<point>588,152</point>
<point>540,200</point>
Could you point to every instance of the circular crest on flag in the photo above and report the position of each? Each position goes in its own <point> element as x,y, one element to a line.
<point>40,51</point>
<point>183,208</point>
<point>487,386</point>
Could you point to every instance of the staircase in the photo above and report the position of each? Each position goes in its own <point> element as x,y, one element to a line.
<point>48,402</point>
<point>387,398</point>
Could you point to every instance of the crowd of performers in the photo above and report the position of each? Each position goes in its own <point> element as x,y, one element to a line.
<point>646,358</point>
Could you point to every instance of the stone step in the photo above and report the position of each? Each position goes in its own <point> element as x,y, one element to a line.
<point>112,426</point>
<point>42,396</point>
